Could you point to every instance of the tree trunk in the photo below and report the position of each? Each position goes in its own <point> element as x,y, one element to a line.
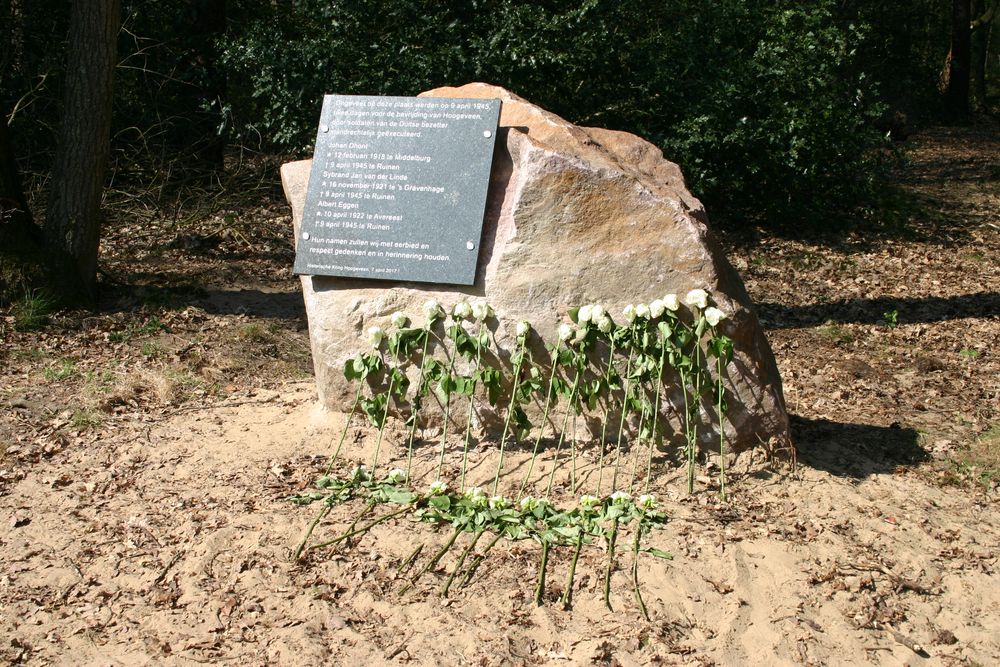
<point>73,222</point>
<point>959,62</point>
<point>982,29</point>
<point>206,23</point>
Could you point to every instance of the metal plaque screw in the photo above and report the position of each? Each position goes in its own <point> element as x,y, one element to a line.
<point>305,235</point>
<point>469,245</point>
<point>324,128</point>
<point>487,134</point>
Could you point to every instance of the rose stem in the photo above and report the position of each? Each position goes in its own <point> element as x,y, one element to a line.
<point>385,416</point>
<point>688,435</point>
<point>695,408</point>
<point>447,413</point>
<point>612,539</point>
<point>312,526</point>
<point>461,561</point>
<point>567,599</point>
<point>510,411</point>
<point>638,444</point>
<point>656,414</point>
<point>368,508</point>
<point>472,403</point>
<point>405,565</point>
<point>621,423</point>
<point>434,559</point>
<point>573,450</point>
<point>363,529</point>
<point>635,571</point>
<point>722,436</point>
<point>562,436</point>
<point>413,426</point>
<point>479,559</point>
<point>607,413</point>
<point>540,585</point>
<point>343,435</point>
<point>545,418</point>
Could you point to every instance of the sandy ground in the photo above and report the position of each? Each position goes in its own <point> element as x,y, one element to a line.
<point>149,450</point>
<point>174,547</point>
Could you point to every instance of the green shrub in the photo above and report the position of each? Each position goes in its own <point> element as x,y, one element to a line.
<point>764,105</point>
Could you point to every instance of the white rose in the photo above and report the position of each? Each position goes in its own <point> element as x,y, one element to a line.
<point>697,298</point>
<point>629,312</point>
<point>620,497</point>
<point>671,302</point>
<point>523,327</point>
<point>375,336</point>
<point>498,503</point>
<point>399,320</point>
<point>597,312</point>
<point>589,502</point>
<point>438,488</point>
<point>584,314</point>
<point>396,475</point>
<point>462,311</point>
<point>432,310</point>
<point>714,315</point>
<point>647,502</point>
<point>656,308</point>
<point>642,310</point>
<point>481,310</point>
<point>565,332</point>
<point>476,496</point>
<point>604,325</point>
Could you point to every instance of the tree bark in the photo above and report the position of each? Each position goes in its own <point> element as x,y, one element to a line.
<point>73,222</point>
<point>959,65</point>
<point>981,30</point>
<point>206,22</point>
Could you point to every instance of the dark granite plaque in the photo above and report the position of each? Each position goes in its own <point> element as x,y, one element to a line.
<point>397,189</point>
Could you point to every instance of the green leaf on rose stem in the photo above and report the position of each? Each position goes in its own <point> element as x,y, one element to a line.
<point>574,314</point>
<point>570,532</point>
<point>431,367</point>
<point>374,408</point>
<point>440,503</point>
<point>492,380</point>
<point>659,553</point>
<point>522,423</point>
<point>464,386</point>
<point>566,356</point>
<point>400,497</point>
<point>399,381</point>
<point>684,338</point>
<point>353,368</point>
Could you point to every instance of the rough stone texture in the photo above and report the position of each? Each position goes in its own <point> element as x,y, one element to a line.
<point>574,215</point>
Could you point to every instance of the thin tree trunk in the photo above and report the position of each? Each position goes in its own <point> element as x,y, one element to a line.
<point>73,223</point>
<point>981,29</point>
<point>959,64</point>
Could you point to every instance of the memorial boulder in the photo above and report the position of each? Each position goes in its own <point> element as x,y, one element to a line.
<point>573,215</point>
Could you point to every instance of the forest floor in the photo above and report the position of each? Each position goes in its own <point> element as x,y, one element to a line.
<point>147,451</point>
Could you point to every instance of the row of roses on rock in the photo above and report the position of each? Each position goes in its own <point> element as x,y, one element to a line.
<point>585,365</point>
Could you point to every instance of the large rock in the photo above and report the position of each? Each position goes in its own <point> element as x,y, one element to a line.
<point>574,215</point>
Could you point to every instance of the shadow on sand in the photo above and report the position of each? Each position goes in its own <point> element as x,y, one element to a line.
<point>855,450</point>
